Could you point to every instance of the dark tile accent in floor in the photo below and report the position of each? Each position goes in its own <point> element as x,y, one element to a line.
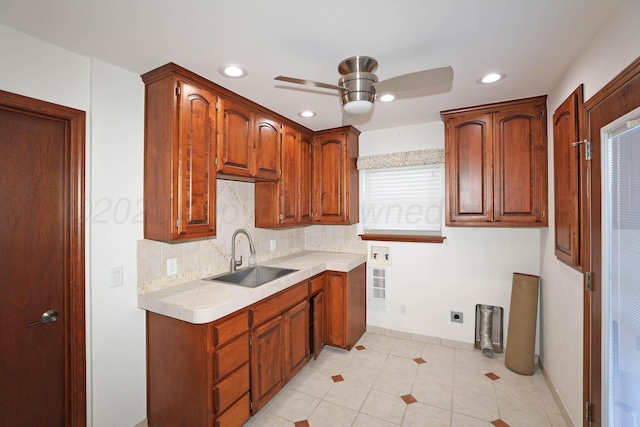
<point>492,376</point>
<point>408,399</point>
<point>337,378</point>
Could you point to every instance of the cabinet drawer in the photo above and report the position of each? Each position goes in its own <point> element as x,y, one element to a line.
<point>237,414</point>
<point>230,357</point>
<point>316,284</point>
<point>230,328</point>
<point>279,303</point>
<point>231,388</point>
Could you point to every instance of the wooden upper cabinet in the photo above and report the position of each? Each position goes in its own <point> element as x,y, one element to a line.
<point>235,140</point>
<point>248,143</point>
<point>566,166</point>
<point>180,145</point>
<point>496,164</point>
<point>336,180</point>
<point>288,202</point>
<point>266,147</point>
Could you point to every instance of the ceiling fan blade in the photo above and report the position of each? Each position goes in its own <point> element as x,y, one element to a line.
<point>413,81</point>
<point>309,83</point>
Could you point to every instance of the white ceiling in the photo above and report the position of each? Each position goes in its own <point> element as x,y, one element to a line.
<point>532,41</point>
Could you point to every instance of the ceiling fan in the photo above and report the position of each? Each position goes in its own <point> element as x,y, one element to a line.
<point>358,85</point>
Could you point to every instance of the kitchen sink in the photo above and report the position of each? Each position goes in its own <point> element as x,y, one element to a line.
<point>252,277</point>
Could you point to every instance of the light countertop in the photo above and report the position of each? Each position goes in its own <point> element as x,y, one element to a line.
<point>203,301</point>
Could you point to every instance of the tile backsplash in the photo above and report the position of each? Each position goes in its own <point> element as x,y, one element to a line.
<point>235,209</point>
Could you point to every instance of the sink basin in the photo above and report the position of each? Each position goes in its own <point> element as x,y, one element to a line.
<point>252,276</point>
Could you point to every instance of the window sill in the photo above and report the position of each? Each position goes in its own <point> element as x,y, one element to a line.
<point>416,238</point>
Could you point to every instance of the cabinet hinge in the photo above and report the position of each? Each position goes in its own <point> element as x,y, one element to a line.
<point>251,405</point>
<point>217,105</point>
<point>250,342</point>
<point>588,281</point>
<point>177,223</point>
<point>215,161</point>
<point>587,148</point>
<point>178,90</point>
<point>280,217</point>
<point>587,411</point>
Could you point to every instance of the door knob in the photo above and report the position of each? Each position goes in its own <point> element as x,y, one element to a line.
<point>48,316</point>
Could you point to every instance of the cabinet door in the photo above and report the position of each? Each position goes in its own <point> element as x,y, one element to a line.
<point>335,309</point>
<point>296,338</point>
<point>289,181</point>
<point>468,167</point>
<point>267,362</point>
<point>519,157</point>
<point>330,180</point>
<point>195,180</point>
<point>267,147</point>
<point>305,178</point>
<point>566,164</point>
<point>235,141</point>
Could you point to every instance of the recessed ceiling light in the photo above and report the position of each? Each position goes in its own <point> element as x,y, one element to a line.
<point>307,114</point>
<point>234,71</point>
<point>492,78</point>
<point>387,97</point>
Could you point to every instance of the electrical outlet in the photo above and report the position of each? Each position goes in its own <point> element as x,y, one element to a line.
<point>172,266</point>
<point>456,316</point>
<point>272,244</point>
<point>403,310</point>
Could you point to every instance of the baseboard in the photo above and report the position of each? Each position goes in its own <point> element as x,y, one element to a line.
<point>556,396</point>
<point>142,423</point>
<point>421,338</point>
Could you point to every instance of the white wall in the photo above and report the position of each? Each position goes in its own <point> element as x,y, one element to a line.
<point>614,47</point>
<point>472,266</point>
<point>113,99</point>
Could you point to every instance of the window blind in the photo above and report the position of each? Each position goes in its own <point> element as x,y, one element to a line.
<point>403,199</point>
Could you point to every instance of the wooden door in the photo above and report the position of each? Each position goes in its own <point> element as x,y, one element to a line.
<point>566,181</point>
<point>619,97</point>
<point>196,172</point>
<point>305,166</point>
<point>296,338</point>
<point>267,147</point>
<point>42,367</point>
<point>469,169</point>
<point>267,362</point>
<point>329,169</point>
<point>290,181</point>
<point>235,139</point>
<point>519,165</point>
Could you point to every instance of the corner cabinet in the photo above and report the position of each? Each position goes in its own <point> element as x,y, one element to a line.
<point>179,154</point>
<point>496,164</point>
<point>336,181</point>
<point>319,182</point>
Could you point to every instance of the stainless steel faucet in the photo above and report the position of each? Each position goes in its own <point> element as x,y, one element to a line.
<point>235,263</point>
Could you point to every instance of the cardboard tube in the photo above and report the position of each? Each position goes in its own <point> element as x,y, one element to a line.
<point>523,312</point>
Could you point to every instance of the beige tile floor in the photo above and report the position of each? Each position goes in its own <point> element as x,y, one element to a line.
<point>387,381</point>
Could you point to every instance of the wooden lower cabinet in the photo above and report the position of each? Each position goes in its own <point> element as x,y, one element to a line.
<point>345,307</point>
<point>219,374</point>
<point>190,380</point>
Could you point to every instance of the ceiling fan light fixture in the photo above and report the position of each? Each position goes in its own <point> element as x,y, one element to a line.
<point>233,71</point>
<point>358,107</point>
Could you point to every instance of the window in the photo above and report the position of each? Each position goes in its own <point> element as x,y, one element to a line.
<point>405,200</point>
